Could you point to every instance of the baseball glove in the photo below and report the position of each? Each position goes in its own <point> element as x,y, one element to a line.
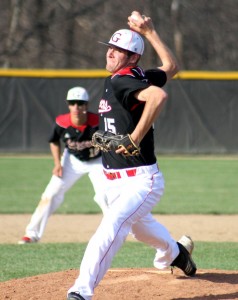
<point>107,141</point>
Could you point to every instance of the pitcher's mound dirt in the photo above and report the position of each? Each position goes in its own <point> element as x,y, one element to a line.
<point>129,284</point>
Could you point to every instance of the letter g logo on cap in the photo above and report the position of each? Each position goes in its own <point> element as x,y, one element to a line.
<point>116,37</point>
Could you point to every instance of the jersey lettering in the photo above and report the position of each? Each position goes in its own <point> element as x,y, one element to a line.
<point>103,106</point>
<point>109,125</point>
<point>75,145</point>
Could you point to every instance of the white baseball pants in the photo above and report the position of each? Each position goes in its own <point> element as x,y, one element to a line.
<point>53,196</point>
<point>131,196</point>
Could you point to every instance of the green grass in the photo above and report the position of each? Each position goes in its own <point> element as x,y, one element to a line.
<point>199,185</point>
<point>23,180</point>
<point>194,185</point>
<point>17,261</point>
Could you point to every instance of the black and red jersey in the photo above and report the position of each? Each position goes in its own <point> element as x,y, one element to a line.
<point>76,138</point>
<point>119,113</point>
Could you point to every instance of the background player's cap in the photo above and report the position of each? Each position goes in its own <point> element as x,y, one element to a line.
<point>77,93</point>
<point>128,40</point>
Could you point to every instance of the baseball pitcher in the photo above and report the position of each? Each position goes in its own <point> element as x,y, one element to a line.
<point>131,102</point>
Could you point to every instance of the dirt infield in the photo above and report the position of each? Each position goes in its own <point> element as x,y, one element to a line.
<point>128,284</point>
<point>79,228</point>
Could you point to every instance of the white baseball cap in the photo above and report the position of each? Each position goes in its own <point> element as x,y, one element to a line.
<point>128,40</point>
<point>77,93</point>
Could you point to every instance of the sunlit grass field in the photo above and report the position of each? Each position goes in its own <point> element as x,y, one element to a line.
<point>197,184</point>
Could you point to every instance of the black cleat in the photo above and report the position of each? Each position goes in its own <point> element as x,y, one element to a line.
<point>74,296</point>
<point>184,260</point>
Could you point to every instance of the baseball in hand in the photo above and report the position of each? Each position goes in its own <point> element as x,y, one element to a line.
<point>134,17</point>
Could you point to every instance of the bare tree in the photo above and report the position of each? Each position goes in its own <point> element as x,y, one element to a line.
<point>178,37</point>
<point>16,9</point>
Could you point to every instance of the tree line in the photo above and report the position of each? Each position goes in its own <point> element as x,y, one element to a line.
<point>64,34</point>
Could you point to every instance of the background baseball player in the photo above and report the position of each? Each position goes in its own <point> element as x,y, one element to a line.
<point>131,102</point>
<point>75,129</point>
